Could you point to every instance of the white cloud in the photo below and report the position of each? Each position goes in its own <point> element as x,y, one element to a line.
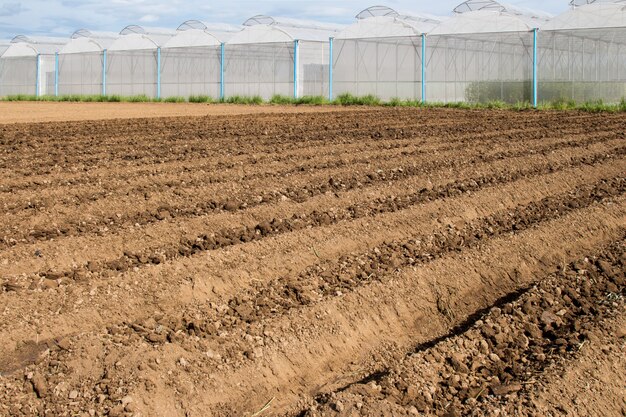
<point>149,18</point>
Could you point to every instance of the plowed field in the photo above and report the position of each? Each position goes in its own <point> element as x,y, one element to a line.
<point>373,262</point>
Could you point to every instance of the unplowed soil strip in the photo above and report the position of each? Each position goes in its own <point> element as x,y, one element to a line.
<point>350,284</point>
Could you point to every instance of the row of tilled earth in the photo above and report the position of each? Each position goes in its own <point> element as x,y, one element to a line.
<point>371,262</point>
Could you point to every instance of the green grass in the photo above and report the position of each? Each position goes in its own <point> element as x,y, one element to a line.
<point>202,99</point>
<point>278,99</point>
<point>348,99</point>
<point>243,100</point>
<point>174,99</point>
<point>341,100</point>
<point>306,100</point>
<point>80,98</point>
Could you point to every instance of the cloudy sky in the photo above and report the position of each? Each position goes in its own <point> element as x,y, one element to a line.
<point>62,17</point>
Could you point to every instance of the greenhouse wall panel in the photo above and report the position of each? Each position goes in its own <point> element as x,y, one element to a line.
<point>383,67</point>
<point>18,75</point>
<point>47,75</point>
<point>259,69</point>
<point>480,67</point>
<point>313,62</point>
<point>190,71</point>
<point>132,73</point>
<point>582,65</point>
<point>80,73</point>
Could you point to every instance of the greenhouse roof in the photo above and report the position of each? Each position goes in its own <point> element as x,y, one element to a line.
<point>4,45</point>
<point>378,11</point>
<point>210,27</point>
<point>86,33</point>
<point>195,33</point>
<point>290,22</point>
<point>267,29</point>
<point>475,5</point>
<point>382,21</point>
<point>135,37</point>
<point>576,3</point>
<point>482,21</point>
<point>590,16</point>
<point>84,40</point>
<point>33,45</point>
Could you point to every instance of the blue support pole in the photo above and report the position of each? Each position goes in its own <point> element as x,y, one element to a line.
<point>158,73</point>
<point>222,63</point>
<point>104,72</point>
<point>423,68</point>
<point>37,74</point>
<point>330,69</point>
<point>56,74</point>
<point>295,68</point>
<point>535,95</point>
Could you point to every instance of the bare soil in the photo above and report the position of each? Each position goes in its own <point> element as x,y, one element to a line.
<point>326,263</point>
<point>32,112</point>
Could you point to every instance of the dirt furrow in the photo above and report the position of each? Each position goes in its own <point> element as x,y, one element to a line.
<point>380,261</point>
<point>199,365</point>
<point>181,281</point>
<point>261,157</point>
<point>499,360</point>
<point>228,237</point>
<point>156,211</point>
<point>59,158</point>
<point>116,190</point>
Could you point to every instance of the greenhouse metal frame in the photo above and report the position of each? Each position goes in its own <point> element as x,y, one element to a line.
<point>486,51</point>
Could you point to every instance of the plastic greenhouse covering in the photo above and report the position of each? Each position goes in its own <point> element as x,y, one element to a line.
<point>270,54</point>
<point>582,54</point>
<point>28,65</point>
<point>532,17</point>
<point>191,59</point>
<point>132,61</point>
<point>81,62</point>
<point>484,50</point>
<point>4,46</point>
<point>385,67</point>
<point>583,2</point>
<point>480,67</point>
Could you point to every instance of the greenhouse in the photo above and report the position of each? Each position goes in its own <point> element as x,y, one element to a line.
<point>81,62</point>
<point>278,56</point>
<point>381,54</point>
<point>133,60</point>
<point>192,59</point>
<point>481,55</point>
<point>28,65</point>
<point>582,54</point>
<point>484,50</point>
